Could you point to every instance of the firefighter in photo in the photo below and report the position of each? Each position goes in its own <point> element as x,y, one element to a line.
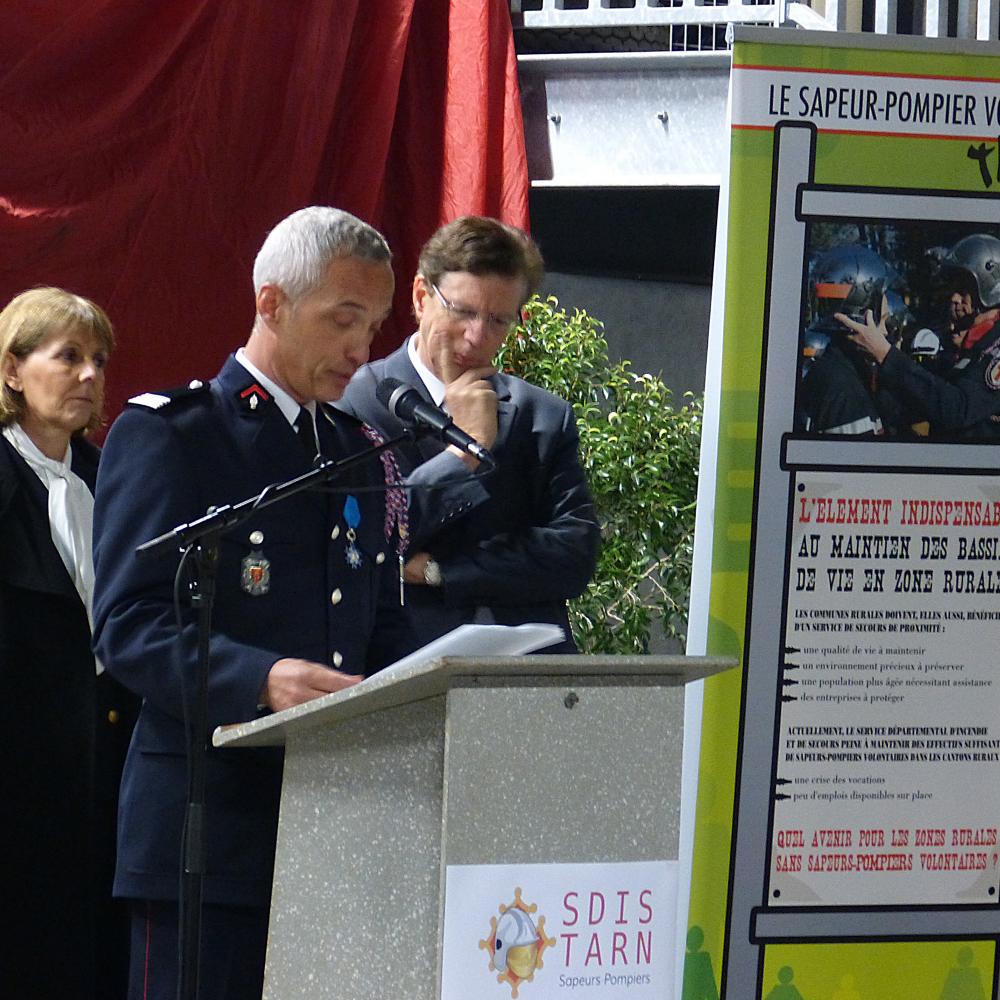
<point>964,404</point>
<point>838,380</point>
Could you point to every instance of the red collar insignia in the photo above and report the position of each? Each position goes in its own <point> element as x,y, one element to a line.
<point>253,396</point>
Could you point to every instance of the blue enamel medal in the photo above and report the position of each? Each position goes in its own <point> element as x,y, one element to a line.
<point>352,517</point>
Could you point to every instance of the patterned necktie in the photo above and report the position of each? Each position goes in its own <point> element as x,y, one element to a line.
<point>397,510</point>
<point>307,432</point>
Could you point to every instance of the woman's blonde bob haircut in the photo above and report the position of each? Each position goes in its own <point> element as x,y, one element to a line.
<point>28,319</point>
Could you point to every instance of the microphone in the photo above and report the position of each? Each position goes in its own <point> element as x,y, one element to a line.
<point>406,404</point>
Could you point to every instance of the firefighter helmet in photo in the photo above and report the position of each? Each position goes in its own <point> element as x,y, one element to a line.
<point>926,347</point>
<point>897,315</point>
<point>848,279</point>
<point>978,257</point>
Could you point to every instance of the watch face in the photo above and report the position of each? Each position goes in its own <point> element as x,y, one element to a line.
<point>432,574</point>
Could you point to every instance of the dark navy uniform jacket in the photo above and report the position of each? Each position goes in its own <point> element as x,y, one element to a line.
<point>964,402</point>
<point>834,399</point>
<point>165,466</point>
<point>514,545</point>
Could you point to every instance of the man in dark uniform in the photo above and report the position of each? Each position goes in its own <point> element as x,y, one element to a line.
<point>511,546</point>
<point>837,395</point>
<point>298,586</point>
<point>966,403</point>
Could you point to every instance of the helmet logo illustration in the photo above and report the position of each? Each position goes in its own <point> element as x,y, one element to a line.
<point>516,943</point>
<point>992,375</point>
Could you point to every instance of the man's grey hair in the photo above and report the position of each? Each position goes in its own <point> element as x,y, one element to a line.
<point>299,249</point>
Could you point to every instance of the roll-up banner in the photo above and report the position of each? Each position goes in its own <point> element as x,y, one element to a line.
<point>845,843</point>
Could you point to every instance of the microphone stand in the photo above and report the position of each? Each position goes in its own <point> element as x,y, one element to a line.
<point>202,535</point>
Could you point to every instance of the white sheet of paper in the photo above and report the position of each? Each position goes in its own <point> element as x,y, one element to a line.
<point>482,640</point>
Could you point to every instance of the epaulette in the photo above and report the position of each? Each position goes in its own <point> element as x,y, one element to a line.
<point>169,397</point>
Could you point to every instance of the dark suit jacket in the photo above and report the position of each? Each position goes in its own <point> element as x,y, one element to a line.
<point>59,787</point>
<point>513,546</point>
<point>165,466</point>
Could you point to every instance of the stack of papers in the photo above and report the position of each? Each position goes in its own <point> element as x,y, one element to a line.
<point>481,640</point>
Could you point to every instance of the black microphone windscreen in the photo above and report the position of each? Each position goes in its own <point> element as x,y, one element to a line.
<point>385,389</point>
<point>398,398</point>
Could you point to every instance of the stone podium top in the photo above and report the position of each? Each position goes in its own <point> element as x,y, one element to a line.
<point>433,677</point>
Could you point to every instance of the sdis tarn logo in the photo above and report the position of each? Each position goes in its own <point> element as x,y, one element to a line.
<point>516,943</point>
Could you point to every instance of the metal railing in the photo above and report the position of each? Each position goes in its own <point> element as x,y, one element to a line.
<point>968,19</point>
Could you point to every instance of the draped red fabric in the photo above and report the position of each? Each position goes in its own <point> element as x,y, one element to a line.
<point>146,149</point>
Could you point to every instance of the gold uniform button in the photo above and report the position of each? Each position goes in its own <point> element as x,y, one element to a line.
<point>113,716</point>
<point>380,558</point>
<point>338,659</point>
<point>335,534</point>
<point>336,596</point>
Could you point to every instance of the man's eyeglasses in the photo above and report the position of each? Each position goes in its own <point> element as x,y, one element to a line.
<point>493,323</point>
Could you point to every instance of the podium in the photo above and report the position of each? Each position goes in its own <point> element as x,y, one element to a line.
<point>457,761</point>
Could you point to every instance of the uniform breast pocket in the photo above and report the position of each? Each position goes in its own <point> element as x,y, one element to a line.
<point>251,563</point>
<point>271,576</point>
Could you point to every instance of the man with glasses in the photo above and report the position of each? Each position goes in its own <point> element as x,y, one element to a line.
<point>506,546</point>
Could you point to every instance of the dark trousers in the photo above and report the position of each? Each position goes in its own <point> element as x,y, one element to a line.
<point>233,942</point>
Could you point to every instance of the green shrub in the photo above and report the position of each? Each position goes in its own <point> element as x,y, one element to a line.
<point>640,453</point>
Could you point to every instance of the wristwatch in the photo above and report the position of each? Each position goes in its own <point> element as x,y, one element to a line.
<point>432,574</point>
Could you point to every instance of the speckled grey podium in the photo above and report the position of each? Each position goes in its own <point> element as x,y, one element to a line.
<point>457,761</point>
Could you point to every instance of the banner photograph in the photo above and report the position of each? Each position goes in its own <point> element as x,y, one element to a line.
<point>855,530</point>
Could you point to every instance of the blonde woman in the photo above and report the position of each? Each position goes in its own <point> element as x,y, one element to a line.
<point>54,348</point>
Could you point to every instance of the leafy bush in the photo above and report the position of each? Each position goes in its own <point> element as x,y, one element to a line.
<point>640,453</point>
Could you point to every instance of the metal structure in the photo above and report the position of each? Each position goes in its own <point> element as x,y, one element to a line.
<point>620,93</point>
<point>967,19</point>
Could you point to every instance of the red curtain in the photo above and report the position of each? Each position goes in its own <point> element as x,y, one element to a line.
<point>146,149</point>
